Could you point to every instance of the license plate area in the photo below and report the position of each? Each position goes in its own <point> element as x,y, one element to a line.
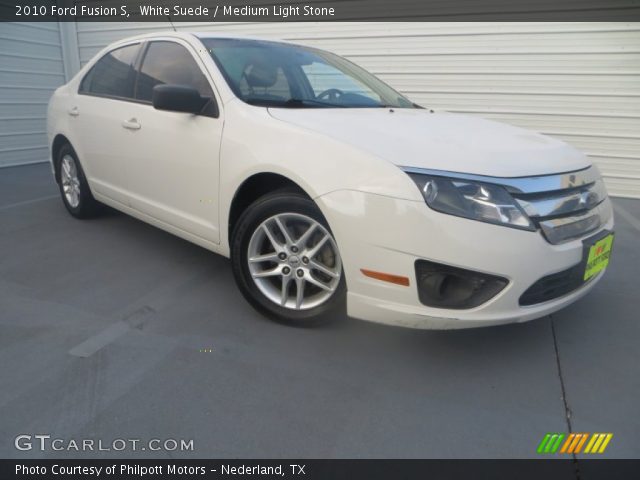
<point>596,254</point>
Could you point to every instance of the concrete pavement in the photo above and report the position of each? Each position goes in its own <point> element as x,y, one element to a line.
<point>105,327</point>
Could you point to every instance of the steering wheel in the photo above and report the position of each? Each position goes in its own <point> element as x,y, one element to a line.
<point>331,94</point>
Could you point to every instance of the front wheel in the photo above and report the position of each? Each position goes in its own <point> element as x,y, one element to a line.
<point>286,261</point>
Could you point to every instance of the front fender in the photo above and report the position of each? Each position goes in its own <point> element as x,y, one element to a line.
<point>255,142</point>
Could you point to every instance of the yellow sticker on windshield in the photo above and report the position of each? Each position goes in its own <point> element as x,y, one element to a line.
<point>598,256</point>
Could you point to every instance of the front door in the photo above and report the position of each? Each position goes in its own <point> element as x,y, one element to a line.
<point>173,157</point>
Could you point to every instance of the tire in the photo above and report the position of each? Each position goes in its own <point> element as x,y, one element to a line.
<point>304,261</point>
<point>74,189</point>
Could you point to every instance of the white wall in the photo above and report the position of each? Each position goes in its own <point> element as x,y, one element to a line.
<point>31,68</point>
<point>576,81</point>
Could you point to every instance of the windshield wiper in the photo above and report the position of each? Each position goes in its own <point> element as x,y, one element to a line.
<point>307,102</point>
<point>291,103</point>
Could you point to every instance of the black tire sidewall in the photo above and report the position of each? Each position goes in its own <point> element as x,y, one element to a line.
<point>253,216</point>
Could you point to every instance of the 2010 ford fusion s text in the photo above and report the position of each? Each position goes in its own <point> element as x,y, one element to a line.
<point>326,187</point>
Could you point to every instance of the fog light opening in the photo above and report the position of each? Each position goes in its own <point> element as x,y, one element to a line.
<point>445,286</point>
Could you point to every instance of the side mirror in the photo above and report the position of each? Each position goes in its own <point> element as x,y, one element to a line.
<point>178,98</point>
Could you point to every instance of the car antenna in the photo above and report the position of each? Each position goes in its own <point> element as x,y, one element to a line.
<point>172,26</point>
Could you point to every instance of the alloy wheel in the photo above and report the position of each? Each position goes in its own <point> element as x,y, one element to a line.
<point>294,261</point>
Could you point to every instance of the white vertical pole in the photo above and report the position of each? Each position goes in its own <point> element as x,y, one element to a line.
<point>70,49</point>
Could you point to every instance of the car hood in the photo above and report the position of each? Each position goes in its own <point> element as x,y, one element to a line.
<point>440,141</point>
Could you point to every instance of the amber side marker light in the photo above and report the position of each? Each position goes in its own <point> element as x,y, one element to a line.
<point>386,277</point>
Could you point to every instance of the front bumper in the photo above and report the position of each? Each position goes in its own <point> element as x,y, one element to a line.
<point>386,234</point>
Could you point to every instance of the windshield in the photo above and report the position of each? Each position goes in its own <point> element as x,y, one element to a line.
<point>275,74</point>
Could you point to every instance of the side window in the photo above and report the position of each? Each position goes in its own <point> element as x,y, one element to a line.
<point>113,74</point>
<point>169,63</point>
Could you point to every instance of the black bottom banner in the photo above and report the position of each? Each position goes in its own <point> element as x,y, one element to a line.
<point>319,469</point>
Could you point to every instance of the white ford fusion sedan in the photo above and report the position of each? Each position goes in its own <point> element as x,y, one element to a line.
<point>325,186</point>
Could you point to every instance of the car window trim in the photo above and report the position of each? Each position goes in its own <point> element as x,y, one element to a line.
<point>140,62</point>
<point>138,67</point>
<point>238,94</point>
<point>105,95</point>
<point>137,64</point>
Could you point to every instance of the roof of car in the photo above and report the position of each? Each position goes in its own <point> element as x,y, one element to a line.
<point>201,35</point>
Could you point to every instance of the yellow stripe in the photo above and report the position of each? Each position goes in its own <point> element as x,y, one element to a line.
<point>605,443</point>
<point>582,440</point>
<point>598,442</point>
<point>574,443</point>
<point>591,442</point>
<point>567,442</point>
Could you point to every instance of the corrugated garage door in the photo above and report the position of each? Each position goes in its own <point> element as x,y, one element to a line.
<point>31,68</point>
<point>576,81</point>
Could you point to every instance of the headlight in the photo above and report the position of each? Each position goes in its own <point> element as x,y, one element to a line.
<point>485,202</point>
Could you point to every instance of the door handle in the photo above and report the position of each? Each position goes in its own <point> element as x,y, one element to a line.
<point>131,124</point>
<point>74,112</point>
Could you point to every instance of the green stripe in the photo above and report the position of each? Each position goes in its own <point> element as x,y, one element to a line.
<point>554,449</point>
<point>547,449</point>
<point>543,443</point>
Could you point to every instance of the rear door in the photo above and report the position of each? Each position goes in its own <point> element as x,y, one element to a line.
<point>172,157</point>
<point>96,115</point>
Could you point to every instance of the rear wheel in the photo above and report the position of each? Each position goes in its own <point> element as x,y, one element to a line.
<point>286,261</point>
<point>74,189</point>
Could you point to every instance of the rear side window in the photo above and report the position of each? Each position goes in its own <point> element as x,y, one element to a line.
<point>172,64</point>
<point>113,75</point>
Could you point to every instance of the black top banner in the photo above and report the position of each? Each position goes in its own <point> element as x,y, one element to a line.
<point>318,10</point>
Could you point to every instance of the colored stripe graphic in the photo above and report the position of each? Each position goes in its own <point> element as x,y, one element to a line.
<point>581,442</point>
<point>554,449</point>
<point>596,446</point>
<point>606,442</point>
<point>550,443</point>
<point>574,443</point>
<point>598,443</point>
<point>568,443</point>
<point>543,443</point>
<point>594,437</point>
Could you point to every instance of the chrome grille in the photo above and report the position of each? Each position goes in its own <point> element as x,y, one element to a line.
<point>581,207</point>
<point>563,229</point>
<point>563,202</point>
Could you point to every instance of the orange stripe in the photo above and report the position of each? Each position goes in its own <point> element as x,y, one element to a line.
<point>386,277</point>
<point>567,443</point>
<point>579,446</point>
<point>574,443</point>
